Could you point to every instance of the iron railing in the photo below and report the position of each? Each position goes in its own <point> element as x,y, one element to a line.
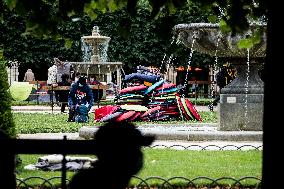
<point>64,147</point>
<point>208,147</point>
<point>201,182</point>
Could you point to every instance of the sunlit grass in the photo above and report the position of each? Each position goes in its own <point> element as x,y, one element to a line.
<point>167,163</point>
<point>27,123</point>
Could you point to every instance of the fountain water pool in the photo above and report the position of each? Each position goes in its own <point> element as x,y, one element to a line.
<point>244,95</point>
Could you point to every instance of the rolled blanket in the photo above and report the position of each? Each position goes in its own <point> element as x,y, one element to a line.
<point>142,77</point>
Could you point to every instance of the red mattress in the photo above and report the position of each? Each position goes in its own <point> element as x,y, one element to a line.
<point>125,116</point>
<point>135,88</point>
<point>193,111</point>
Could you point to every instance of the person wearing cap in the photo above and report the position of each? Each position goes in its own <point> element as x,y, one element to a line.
<point>80,94</point>
<point>117,146</point>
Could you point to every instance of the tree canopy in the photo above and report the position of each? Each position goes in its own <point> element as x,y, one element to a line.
<point>45,15</point>
<point>135,40</point>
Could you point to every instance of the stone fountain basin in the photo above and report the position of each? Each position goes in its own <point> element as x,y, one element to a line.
<point>96,67</point>
<point>210,40</point>
<point>96,39</point>
<point>185,132</point>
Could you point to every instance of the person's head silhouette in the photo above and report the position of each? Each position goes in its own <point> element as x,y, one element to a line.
<point>118,149</point>
<point>119,145</point>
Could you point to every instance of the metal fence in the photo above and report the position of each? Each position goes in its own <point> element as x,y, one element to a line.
<point>208,147</point>
<point>64,147</point>
<point>157,182</point>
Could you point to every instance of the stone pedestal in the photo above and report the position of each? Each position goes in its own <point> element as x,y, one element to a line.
<point>237,115</point>
<point>118,78</point>
<point>108,75</point>
<point>241,102</point>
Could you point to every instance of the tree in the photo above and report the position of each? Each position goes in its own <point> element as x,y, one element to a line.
<point>135,40</point>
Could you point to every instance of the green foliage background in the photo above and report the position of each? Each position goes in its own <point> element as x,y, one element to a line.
<point>135,40</point>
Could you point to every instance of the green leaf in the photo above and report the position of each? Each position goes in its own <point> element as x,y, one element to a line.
<point>1,54</point>
<point>68,43</point>
<point>212,18</point>
<point>250,41</point>
<point>245,44</point>
<point>224,26</point>
<point>11,4</point>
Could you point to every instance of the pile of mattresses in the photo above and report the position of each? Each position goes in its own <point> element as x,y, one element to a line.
<point>158,100</point>
<point>162,95</point>
<point>171,104</point>
<point>161,102</point>
<point>131,95</point>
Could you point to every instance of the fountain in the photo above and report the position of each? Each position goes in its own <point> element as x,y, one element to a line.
<point>241,103</point>
<point>241,95</point>
<point>98,65</point>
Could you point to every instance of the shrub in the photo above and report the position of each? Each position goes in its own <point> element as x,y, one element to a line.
<point>6,117</point>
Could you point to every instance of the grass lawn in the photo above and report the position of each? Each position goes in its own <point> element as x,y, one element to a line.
<point>164,163</point>
<point>167,163</point>
<point>28,123</point>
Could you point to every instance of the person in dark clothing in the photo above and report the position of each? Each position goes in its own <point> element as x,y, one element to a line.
<point>63,94</point>
<point>223,77</point>
<point>118,149</point>
<point>77,76</point>
<point>98,93</point>
<point>80,94</point>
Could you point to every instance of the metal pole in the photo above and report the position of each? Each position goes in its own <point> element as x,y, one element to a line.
<point>10,68</point>
<point>64,169</point>
<point>51,98</point>
<point>15,69</point>
<point>37,101</point>
<point>98,94</point>
<point>196,91</point>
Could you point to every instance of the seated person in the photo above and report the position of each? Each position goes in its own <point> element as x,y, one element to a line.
<point>93,80</point>
<point>80,94</point>
<point>96,93</point>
